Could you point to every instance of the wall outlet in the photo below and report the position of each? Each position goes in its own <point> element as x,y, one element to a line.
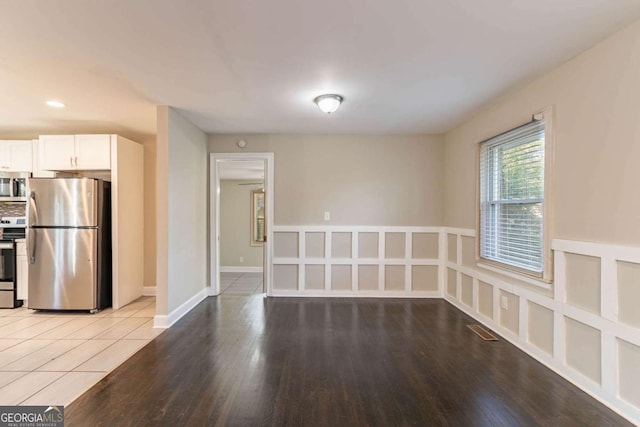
<point>241,259</point>
<point>327,216</point>
<point>504,302</point>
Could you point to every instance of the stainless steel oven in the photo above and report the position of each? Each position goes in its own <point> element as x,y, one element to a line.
<point>8,297</point>
<point>12,228</point>
<point>13,186</point>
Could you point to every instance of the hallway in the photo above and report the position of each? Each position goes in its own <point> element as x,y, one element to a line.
<point>241,283</point>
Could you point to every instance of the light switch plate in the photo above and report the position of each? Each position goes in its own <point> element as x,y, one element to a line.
<point>327,216</point>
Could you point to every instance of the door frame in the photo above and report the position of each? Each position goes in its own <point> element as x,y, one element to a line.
<point>214,211</point>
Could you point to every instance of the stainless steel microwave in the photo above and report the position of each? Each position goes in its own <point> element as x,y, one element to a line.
<point>13,186</point>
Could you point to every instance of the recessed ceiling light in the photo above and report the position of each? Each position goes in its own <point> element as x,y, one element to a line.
<point>54,104</point>
<point>328,103</point>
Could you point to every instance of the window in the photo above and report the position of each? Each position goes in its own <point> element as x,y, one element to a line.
<point>512,200</point>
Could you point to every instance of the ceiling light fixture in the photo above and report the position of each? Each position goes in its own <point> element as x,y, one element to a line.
<point>328,103</point>
<point>54,104</point>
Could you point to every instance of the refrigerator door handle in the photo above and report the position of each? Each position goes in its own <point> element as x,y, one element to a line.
<point>33,209</point>
<point>31,233</point>
<point>31,245</point>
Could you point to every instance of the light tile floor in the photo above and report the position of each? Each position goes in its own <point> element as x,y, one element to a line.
<point>49,358</point>
<point>240,283</point>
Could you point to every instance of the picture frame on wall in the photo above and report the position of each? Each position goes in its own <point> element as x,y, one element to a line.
<point>258,228</point>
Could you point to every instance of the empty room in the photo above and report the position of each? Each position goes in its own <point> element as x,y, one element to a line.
<point>363,213</point>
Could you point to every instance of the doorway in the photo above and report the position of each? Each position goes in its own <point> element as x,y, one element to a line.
<point>242,221</point>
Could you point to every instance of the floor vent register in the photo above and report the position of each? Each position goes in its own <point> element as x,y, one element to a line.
<point>482,333</point>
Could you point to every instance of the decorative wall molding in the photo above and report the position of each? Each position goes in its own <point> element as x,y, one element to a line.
<point>357,294</point>
<point>355,261</point>
<point>354,228</point>
<point>240,269</point>
<point>610,328</point>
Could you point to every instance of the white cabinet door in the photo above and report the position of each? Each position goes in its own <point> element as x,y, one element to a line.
<point>93,152</point>
<point>22,277</point>
<point>21,156</point>
<point>57,152</point>
<point>5,156</point>
<point>38,171</point>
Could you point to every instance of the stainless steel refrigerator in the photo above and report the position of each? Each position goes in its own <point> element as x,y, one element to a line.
<point>69,243</point>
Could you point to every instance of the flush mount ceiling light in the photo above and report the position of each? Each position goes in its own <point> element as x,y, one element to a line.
<point>328,103</point>
<point>54,103</point>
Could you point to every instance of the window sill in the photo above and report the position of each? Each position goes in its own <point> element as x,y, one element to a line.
<point>521,277</point>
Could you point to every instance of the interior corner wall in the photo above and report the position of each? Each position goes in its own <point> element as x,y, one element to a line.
<point>596,98</point>
<point>149,145</point>
<point>377,180</point>
<point>181,182</point>
<point>235,225</point>
<point>162,211</point>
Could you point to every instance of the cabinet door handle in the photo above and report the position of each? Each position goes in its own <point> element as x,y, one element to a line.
<point>71,160</point>
<point>76,160</point>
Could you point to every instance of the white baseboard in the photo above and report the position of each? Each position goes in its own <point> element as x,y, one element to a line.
<point>240,269</point>
<point>149,291</point>
<point>356,294</point>
<point>166,321</point>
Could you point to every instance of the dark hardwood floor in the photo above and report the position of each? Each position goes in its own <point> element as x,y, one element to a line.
<point>245,361</point>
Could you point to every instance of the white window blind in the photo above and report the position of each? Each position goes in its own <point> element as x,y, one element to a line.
<point>512,197</point>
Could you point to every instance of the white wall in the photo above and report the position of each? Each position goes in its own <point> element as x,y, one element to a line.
<point>235,225</point>
<point>182,213</point>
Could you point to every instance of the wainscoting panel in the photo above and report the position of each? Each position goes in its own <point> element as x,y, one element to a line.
<point>358,261</point>
<point>581,327</point>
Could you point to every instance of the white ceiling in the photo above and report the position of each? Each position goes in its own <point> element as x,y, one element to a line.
<point>241,169</point>
<point>403,66</point>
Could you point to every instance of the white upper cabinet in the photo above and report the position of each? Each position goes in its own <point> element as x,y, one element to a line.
<point>75,152</point>
<point>57,152</point>
<point>21,156</point>
<point>16,156</point>
<point>93,152</point>
<point>5,156</point>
